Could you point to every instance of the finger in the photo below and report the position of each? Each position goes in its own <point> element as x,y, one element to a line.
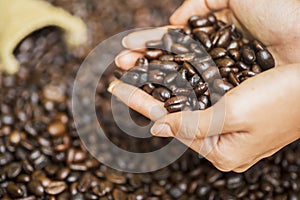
<point>136,40</point>
<point>127,59</point>
<point>138,100</point>
<point>196,7</point>
<point>196,124</point>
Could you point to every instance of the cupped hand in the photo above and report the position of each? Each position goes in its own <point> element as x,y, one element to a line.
<point>259,117</point>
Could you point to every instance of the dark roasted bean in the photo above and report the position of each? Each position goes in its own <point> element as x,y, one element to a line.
<point>166,58</point>
<point>153,54</point>
<point>168,42</point>
<point>154,44</point>
<point>161,94</point>
<point>206,29</point>
<point>197,49</point>
<point>204,39</point>
<point>185,40</point>
<point>225,62</point>
<point>175,108</point>
<point>179,49</point>
<point>169,66</point>
<point>197,21</point>
<point>182,91</point>
<point>234,44</point>
<point>36,188</point>
<point>190,69</point>
<point>201,89</point>
<point>156,76</point>
<point>234,54</point>
<point>233,79</point>
<point>195,80</point>
<point>56,187</point>
<point>176,100</point>
<point>256,69</point>
<point>217,53</point>
<point>265,59</point>
<point>221,86</point>
<point>14,190</point>
<point>184,57</point>
<point>211,74</point>
<point>258,46</point>
<point>56,128</point>
<point>149,87</point>
<point>242,66</point>
<point>224,38</point>
<point>170,78</point>
<point>248,55</point>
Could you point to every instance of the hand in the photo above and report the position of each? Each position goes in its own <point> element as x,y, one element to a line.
<point>261,115</point>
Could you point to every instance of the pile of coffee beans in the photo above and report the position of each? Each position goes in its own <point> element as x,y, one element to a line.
<point>42,157</point>
<point>178,71</point>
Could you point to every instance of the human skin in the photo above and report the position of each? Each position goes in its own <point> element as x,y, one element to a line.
<point>260,116</point>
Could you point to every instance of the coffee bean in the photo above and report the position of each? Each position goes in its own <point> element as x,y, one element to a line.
<point>211,74</point>
<point>234,54</point>
<point>153,54</point>
<point>156,76</point>
<point>13,170</point>
<point>179,49</point>
<point>221,86</point>
<point>154,44</point>
<point>233,79</point>
<point>14,190</point>
<point>204,39</point>
<point>248,55</point>
<point>119,195</point>
<point>56,187</point>
<point>256,69</point>
<point>176,100</point>
<point>206,29</point>
<point>84,183</point>
<point>224,38</point>
<point>56,128</point>
<point>201,89</point>
<point>195,80</point>
<point>168,42</point>
<point>197,49</point>
<point>242,66</point>
<point>197,21</point>
<point>161,94</point>
<point>265,59</point>
<point>225,62</point>
<point>258,46</point>
<point>149,87</point>
<point>234,44</point>
<point>36,188</point>
<point>190,69</point>
<point>166,58</point>
<point>170,78</point>
<point>169,66</point>
<point>217,53</point>
<point>188,57</point>
<point>185,40</point>
<point>116,178</point>
<point>63,173</point>
<point>175,108</point>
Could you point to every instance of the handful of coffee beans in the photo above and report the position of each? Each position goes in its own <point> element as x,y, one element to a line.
<point>178,70</point>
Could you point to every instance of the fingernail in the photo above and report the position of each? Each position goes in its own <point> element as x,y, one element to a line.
<point>161,130</point>
<point>117,60</point>
<point>124,41</point>
<point>111,86</point>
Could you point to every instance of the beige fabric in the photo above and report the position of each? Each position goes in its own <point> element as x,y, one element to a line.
<point>19,18</point>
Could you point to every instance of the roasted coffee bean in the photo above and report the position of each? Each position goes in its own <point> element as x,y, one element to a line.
<point>204,39</point>
<point>206,29</point>
<point>161,94</point>
<point>197,21</point>
<point>242,66</point>
<point>176,100</point>
<point>221,86</point>
<point>195,80</point>
<point>56,187</point>
<point>13,170</point>
<point>153,54</point>
<point>170,78</point>
<point>188,57</point>
<point>197,49</point>
<point>14,190</point>
<point>258,46</point>
<point>154,44</point>
<point>233,79</point>
<point>248,55</point>
<point>211,74</point>
<point>217,53</point>
<point>84,183</point>
<point>234,44</point>
<point>175,108</point>
<point>265,59</point>
<point>256,69</point>
<point>225,62</point>
<point>181,80</point>
<point>201,89</point>
<point>179,49</point>
<point>149,87</point>
<point>169,66</point>
<point>185,40</point>
<point>190,69</point>
<point>36,188</point>
<point>234,54</point>
<point>168,42</point>
<point>56,128</point>
<point>167,58</point>
<point>116,178</point>
<point>224,38</point>
<point>156,76</point>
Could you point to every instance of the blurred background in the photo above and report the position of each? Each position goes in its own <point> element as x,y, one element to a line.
<point>41,156</point>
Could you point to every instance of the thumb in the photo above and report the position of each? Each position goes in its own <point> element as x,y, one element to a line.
<point>193,124</point>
